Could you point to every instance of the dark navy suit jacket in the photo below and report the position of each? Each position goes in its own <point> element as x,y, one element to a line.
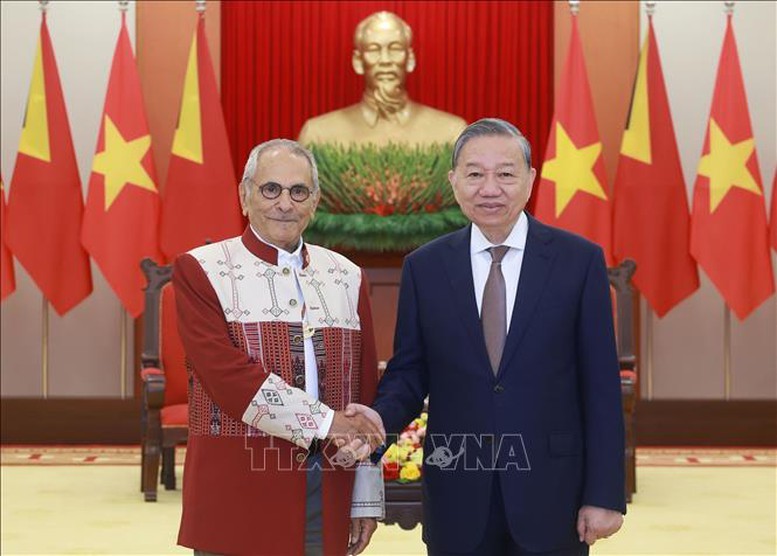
<point>550,421</point>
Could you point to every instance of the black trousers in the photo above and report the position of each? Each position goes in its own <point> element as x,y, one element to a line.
<point>498,541</point>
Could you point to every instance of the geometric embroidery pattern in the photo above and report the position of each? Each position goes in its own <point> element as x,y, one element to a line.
<point>272,397</point>
<point>330,286</point>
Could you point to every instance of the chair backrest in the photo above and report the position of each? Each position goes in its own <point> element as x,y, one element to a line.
<point>162,346</point>
<point>623,303</point>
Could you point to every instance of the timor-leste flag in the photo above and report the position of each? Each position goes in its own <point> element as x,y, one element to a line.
<point>572,192</point>
<point>200,196</point>
<point>7,278</point>
<point>651,220</point>
<point>729,236</point>
<point>122,208</point>
<point>45,203</point>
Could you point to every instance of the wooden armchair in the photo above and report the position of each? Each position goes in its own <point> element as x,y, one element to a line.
<point>623,304</point>
<point>164,417</point>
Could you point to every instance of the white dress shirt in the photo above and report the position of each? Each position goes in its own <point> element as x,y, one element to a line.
<point>294,262</point>
<point>511,263</point>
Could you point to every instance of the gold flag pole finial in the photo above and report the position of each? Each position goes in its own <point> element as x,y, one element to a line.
<point>574,6</point>
<point>650,7</point>
<point>729,7</point>
<point>123,5</point>
<point>200,6</point>
<point>43,5</point>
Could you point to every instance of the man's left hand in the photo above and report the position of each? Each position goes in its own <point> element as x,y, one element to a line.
<point>362,529</point>
<point>597,523</point>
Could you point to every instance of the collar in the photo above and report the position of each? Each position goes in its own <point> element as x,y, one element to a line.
<point>273,255</point>
<point>371,114</point>
<point>516,240</point>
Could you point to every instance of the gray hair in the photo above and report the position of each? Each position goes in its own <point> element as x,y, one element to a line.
<point>358,34</point>
<point>292,146</point>
<point>490,127</point>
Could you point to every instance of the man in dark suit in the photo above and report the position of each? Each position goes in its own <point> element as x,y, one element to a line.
<point>507,326</point>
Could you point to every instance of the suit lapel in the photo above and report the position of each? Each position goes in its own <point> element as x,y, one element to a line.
<point>537,262</point>
<point>458,266</point>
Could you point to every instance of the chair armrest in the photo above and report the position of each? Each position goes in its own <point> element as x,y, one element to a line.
<point>153,387</point>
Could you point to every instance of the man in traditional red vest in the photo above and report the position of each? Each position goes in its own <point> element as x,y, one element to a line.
<point>278,338</point>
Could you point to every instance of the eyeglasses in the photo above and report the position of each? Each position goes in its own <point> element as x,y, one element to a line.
<point>271,190</point>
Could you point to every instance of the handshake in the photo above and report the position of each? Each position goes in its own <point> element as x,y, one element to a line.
<point>357,432</point>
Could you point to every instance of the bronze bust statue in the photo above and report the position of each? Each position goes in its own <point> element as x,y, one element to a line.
<point>384,56</point>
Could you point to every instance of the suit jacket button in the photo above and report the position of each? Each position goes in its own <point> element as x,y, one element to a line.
<point>301,457</point>
<point>293,302</point>
<point>498,389</point>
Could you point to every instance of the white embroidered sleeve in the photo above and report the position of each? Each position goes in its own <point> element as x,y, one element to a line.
<point>368,498</point>
<point>286,412</point>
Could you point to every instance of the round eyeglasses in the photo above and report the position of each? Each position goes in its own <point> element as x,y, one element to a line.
<point>299,193</point>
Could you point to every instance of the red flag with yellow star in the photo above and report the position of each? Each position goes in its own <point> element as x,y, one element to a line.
<point>122,208</point>
<point>201,202</point>
<point>45,203</point>
<point>729,236</point>
<point>651,224</point>
<point>572,192</point>
<point>7,278</point>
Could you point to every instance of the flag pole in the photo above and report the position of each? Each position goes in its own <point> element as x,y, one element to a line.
<point>726,352</point>
<point>649,349</point>
<point>123,7</point>
<point>45,348</point>
<point>650,8</point>
<point>43,5</point>
<point>200,7</point>
<point>123,350</point>
<point>729,9</point>
<point>574,7</point>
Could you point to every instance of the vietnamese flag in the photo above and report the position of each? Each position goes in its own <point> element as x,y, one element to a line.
<point>122,208</point>
<point>729,236</point>
<point>45,205</point>
<point>200,197</point>
<point>651,220</point>
<point>7,279</point>
<point>572,193</point>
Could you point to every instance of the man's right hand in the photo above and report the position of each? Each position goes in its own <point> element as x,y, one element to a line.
<point>358,430</point>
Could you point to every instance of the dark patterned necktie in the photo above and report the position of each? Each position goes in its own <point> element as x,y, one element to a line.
<point>493,313</point>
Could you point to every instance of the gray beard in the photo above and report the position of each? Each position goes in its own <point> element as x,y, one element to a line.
<point>387,101</point>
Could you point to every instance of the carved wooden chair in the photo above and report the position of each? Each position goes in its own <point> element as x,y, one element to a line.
<point>623,297</point>
<point>164,416</point>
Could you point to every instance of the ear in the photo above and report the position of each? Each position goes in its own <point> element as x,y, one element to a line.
<point>243,195</point>
<point>532,176</point>
<point>357,62</point>
<point>452,180</point>
<point>410,64</point>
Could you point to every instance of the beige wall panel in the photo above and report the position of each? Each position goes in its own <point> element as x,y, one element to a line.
<point>609,32</point>
<point>164,38</point>
<point>86,359</point>
<point>690,36</point>
<point>688,349</point>
<point>753,361</point>
<point>20,350</point>
<point>84,346</point>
